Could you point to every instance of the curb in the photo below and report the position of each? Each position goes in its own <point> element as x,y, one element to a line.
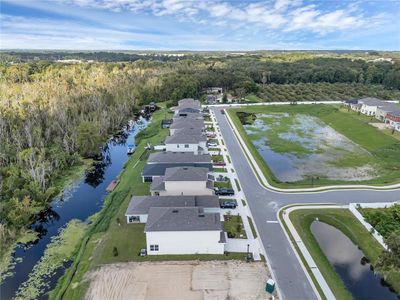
<point>267,185</point>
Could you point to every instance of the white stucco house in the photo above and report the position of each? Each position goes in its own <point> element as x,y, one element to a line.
<point>183,181</point>
<point>183,230</point>
<point>139,207</point>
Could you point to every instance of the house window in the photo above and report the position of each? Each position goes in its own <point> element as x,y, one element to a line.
<point>153,247</point>
<point>134,219</point>
<point>177,146</point>
<point>186,145</point>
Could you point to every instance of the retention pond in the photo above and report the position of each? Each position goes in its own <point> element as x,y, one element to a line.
<point>350,264</point>
<point>299,147</point>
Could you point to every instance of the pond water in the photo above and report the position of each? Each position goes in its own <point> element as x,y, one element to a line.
<point>298,147</point>
<point>81,200</point>
<point>349,263</point>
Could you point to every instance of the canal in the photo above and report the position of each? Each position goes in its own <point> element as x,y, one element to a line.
<point>350,264</point>
<point>79,201</point>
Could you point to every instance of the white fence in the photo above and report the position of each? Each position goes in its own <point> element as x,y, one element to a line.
<point>353,207</point>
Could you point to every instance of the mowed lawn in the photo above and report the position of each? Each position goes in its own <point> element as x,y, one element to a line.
<point>384,148</point>
<point>343,220</point>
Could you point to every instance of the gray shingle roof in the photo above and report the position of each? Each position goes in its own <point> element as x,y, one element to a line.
<point>141,204</point>
<point>182,219</point>
<point>158,169</point>
<point>185,139</point>
<point>189,131</point>
<point>373,102</point>
<point>158,184</point>
<point>186,174</point>
<point>187,122</point>
<point>178,157</point>
<point>189,101</point>
<point>191,116</point>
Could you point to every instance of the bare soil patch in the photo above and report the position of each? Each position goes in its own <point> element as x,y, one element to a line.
<point>195,280</point>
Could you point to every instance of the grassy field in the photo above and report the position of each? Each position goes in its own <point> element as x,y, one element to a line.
<point>109,228</point>
<point>343,220</point>
<point>384,148</point>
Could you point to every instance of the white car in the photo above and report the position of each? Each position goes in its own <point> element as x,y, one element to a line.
<point>212,144</point>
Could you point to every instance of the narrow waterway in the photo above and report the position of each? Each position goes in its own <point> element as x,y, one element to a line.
<point>84,198</point>
<point>350,264</point>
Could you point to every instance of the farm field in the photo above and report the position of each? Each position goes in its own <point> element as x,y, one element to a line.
<point>304,145</point>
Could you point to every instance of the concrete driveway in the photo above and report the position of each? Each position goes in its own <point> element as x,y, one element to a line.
<point>264,204</point>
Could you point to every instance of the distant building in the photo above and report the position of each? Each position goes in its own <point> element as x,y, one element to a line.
<point>214,90</point>
<point>384,111</point>
<point>393,119</point>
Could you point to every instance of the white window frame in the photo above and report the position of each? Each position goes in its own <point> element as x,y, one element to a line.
<point>154,248</point>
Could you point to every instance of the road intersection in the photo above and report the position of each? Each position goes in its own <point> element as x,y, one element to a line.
<point>264,205</point>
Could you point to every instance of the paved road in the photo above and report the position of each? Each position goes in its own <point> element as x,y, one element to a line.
<point>264,205</point>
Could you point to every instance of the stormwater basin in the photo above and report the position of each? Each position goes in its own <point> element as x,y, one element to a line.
<point>349,263</point>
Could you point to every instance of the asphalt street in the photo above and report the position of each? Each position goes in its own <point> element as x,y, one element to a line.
<point>264,205</point>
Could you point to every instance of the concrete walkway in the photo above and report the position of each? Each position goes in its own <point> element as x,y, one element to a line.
<point>236,245</point>
<point>304,251</point>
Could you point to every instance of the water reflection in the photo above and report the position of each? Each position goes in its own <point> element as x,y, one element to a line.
<point>351,265</point>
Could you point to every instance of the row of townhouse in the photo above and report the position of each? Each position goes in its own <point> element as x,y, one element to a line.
<point>182,214</point>
<point>386,112</point>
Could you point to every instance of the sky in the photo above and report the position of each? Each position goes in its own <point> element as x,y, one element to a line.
<point>200,24</point>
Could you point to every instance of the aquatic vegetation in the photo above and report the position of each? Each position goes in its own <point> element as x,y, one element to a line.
<point>57,253</point>
<point>298,146</point>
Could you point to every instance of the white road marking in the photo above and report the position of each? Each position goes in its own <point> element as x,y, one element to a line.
<point>272,221</point>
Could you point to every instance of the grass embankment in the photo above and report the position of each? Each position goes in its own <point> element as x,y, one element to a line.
<point>384,149</point>
<point>343,220</point>
<point>253,228</point>
<point>109,228</point>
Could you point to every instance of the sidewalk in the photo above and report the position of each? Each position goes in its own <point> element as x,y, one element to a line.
<point>237,245</point>
<point>265,183</point>
<point>304,251</point>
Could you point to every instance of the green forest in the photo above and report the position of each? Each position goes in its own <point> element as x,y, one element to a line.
<point>53,115</point>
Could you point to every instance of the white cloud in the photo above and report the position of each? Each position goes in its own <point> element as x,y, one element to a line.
<point>285,15</point>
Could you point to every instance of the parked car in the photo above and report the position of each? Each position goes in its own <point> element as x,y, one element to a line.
<point>212,144</point>
<point>222,111</point>
<point>143,252</point>
<point>219,163</point>
<point>228,204</point>
<point>224,192</point>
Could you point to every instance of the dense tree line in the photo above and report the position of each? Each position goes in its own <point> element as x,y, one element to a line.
<point>53,114</point>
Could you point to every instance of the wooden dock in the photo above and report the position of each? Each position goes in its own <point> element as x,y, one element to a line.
<point>113,184</point>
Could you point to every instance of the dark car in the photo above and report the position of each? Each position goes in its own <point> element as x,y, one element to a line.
<point>224,192</point>
<point>228,204</point>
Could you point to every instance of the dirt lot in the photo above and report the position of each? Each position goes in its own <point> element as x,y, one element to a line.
<point>213,280</point>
